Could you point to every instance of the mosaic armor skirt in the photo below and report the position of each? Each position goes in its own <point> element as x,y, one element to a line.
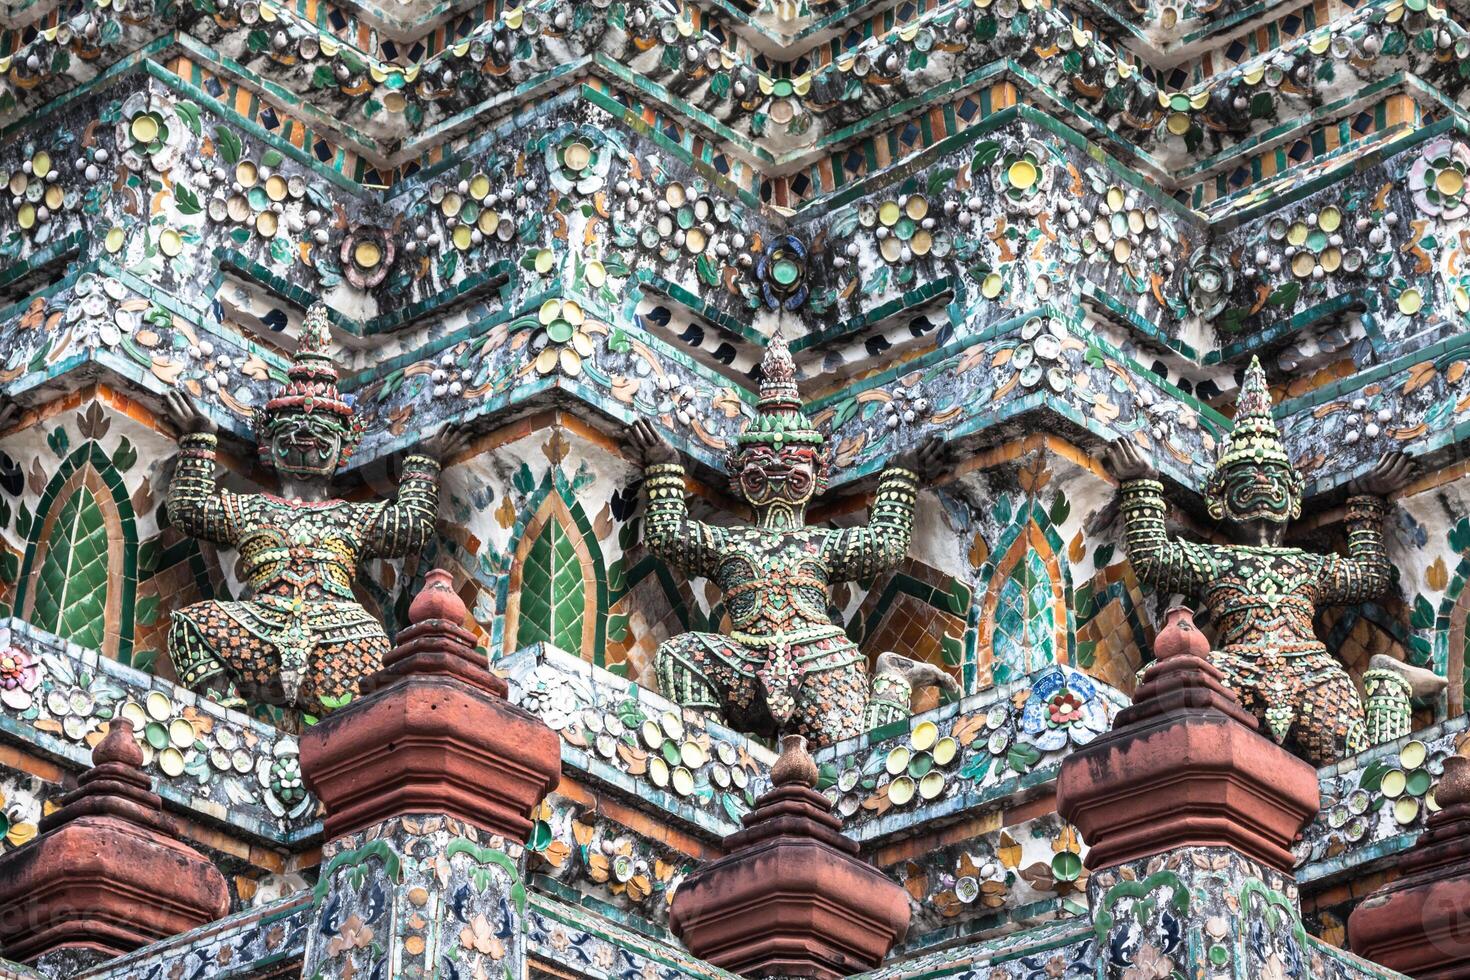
<point>1305,701</point>
<point>817,688</point>
<point>233,650</point>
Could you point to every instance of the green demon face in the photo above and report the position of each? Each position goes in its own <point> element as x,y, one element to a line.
<point>306,445</point>
<point>786,477</point>
<point>1256,491</point>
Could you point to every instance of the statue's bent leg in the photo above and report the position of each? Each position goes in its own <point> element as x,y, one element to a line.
<point>338,668</point>
<point>1243,679</point>
<point>890,700</point>
<point>346,645</point>
<point>833,696</point>
<point>235,638</point>
<point>895,678</point>
<point>1329,716</point>
<point>705,672</point>
<point>830,704</point>
<point>682,668</point>
<point>1389,688</point>
<point>200,667</point>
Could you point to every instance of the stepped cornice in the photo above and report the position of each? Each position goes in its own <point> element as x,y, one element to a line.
<point>394,114</point>
<point>506,386</point>
<point>1007,265</point>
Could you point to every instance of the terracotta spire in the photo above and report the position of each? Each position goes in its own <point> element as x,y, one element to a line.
<point>1180,677</point>
<point>436,642</point>
<point>108,872</point>
<point>791,897</point>
<point>432,734</point>
<point>115,784</point>
<point>1416,924</point>
<point>1185,766</point>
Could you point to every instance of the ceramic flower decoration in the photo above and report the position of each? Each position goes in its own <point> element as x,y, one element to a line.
<point>148,131</point>
<point>149,134</point>
<point>1021,177</point>
<point>1209,281</point>
<point>578,163</point>
<point>904,229</point>
<point>20,675</point>
<point>1438,176</point>
<point>1063,706</point>
<point>566,342</point>
<point>1121,228</point>
<point>367,256</point>
<point>1038,357</point>
<point>782,273</point>
<point>36,194</point>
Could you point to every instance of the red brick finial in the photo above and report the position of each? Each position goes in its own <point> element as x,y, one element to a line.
<point>791,897</point>
<point>1181,678</point>
<point>77,884</point>
<point>1180,637</point>
<point>1185,765</point>
<point>795,766</point>
<point>116,784</point>
<point>436,642</point>
<point>432,734</point>
<point>1454,783</point>
<point>118,746</point>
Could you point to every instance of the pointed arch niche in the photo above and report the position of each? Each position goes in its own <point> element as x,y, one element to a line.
<point>1450,637</point>
<point>557,588</point>
<point>78,576</point>
<point>1023,617</point>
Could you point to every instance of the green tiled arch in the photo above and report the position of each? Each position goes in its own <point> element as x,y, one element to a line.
<point>554,611</point>
<point>71,584</point>
<point>72,581</point>
<point>553,593</point>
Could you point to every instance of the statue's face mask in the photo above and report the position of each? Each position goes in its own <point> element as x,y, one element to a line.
<point>1250,491</point>
<point>786,477</point>
<point>305,445</point>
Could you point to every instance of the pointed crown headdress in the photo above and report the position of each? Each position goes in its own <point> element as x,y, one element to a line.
<point>1253,439</point>
<point>779,419</point>
<point>311,388</point>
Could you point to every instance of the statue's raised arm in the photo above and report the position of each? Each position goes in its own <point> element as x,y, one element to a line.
<point>405,524</point>
<point>1166,563</point>
<point>1365,572</point>
<point>691,546</point>
<point>882,543</point>
<point>194,504</point>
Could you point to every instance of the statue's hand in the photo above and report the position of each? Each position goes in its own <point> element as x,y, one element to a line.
<point>649,446</point>
<point>1124,460</point>
<point>448,442</point>
<point>9,411</point>
<point>181,412</point>
<point>929,459</point>
<point>1390,474</point>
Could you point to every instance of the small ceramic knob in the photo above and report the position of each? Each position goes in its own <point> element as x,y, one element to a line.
<point>794,765</point>
<point>1180,636</point>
